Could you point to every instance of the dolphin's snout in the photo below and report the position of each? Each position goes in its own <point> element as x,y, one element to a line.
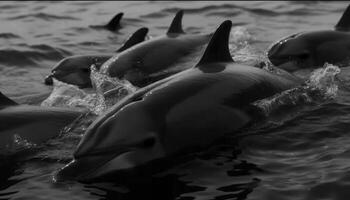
<point>274,55</point>
<point>91,167</point>
<point>82,169</point>
<point>49,80</point>
<point>68,172</point>
<point>273,50</point>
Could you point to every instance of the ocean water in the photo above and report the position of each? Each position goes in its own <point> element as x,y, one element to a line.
<point>299,153</point>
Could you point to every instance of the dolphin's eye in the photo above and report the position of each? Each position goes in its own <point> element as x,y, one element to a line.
<point>85,70</point>
<point>304,56</point>
<point>148,142</point>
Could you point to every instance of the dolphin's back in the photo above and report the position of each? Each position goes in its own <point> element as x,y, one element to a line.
<point>203,106</point>
<point>33,123</point>
<point>13,116</point>
<point>245,83</point>
<point>154,55</point>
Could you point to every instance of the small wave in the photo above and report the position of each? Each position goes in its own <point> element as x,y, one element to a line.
<point>90,43</point>
<point>133,20</point>
<point>87,3</point>
<point>45,48</point>
<point>235,10</point>
<point>16,57</point>
<point>43,35</point>
<point>37,8</point>
<point>202,9</point>
<point>302,11</point>
<point>44,16</point>
<point>12,6</point>
<point>9,36</point>
<point>261,11</point>
<point>154,15</point>
<point>224,13</point>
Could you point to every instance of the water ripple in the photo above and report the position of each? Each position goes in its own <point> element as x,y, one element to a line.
<point>43,16</point>
<point>9,36</point>
<point>30,56</point>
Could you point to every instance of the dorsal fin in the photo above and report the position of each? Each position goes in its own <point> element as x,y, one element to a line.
<point>217,49</point>
<point>176,24</point>
<point>137,37</point>
<point>114,24</point>
<point>344,22</point>
<point>5,101</point>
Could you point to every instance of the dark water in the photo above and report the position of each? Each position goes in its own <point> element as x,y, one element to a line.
<point>304,156</point>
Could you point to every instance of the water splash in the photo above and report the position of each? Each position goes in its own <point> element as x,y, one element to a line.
<point>320,87</point>
<point>105,93</point>
<point>241,49</point>
<point>109,90</point>
<point>66,95</point>
<point>241,36</point>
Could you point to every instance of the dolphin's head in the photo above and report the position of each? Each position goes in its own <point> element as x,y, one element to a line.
<point>292,52</point>
<point>126,61</point>
<point>116,142</point>
<point>310,50</point>
<point>129,65</point>
<point>75,70</point>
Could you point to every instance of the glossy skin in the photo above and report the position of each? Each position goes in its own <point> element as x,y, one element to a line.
<point>191,109</point>
<point>152,56</point>
<point>311,50</point>
<point>35,124</point>
<point>75,70</point>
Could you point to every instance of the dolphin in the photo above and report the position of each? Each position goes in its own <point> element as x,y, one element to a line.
<point>313,49</point>
<point>156,55</point>
<point>113,24</point>
<point>35,124</point>
<point>76,69</point>
<point>187,111</point>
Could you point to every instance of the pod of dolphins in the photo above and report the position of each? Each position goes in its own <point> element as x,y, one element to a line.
<point>183,110</point>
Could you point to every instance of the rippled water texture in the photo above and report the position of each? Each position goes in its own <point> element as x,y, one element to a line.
<point>301,152</point>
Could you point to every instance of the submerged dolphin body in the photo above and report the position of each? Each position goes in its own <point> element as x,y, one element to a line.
<point>35,124</point>
<point>313,49</point>
<point>156,55</point>
<point>76,69</point>
<point>188,110</point>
